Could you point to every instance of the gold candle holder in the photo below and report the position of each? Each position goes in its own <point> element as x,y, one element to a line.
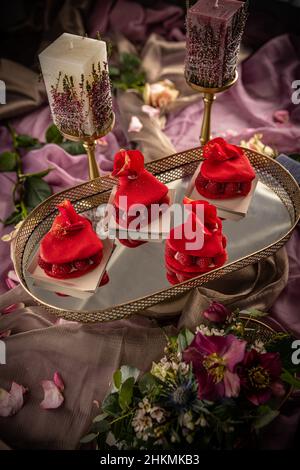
<point>89,143</point>
<point>209,96</point>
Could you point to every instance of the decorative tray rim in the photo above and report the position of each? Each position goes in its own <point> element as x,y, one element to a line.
<point>159,167</point>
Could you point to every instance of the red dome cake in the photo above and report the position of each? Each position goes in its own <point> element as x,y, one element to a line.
<point>226,171</point>
<point>184,262</point>
<point>137,186</point>
<point>71,248</point>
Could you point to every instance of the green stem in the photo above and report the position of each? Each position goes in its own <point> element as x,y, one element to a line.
<point>19,186</point>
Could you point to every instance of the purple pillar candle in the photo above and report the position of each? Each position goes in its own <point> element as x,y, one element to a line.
<point>214,32</point>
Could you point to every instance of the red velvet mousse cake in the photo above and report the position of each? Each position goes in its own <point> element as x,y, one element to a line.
<point>226,171</point>
<point>136,187</point>
<point>71,248</point>
<point>184,262</point>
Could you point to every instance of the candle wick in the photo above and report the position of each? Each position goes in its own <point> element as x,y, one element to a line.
<point>217,4</point>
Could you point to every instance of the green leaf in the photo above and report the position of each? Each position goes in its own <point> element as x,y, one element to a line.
<point>266,417</point>
<point>8,161</point>
<point>73,148</point>
<point>26,141</point>
<point>184,339</point>
<point>40,174</point>
<point>110,404</point>
<point>114,71</point>
<point>13,218</point>
<point>101,427</point>
<point>53,135</point>
<point>36,191</point>
<point>88,438</point>
<point>117,378</point>
<point>254,313</point>
<point>100,417</point>
<point>290,379</point>
<point>126,393</point>
<point>129,371</point>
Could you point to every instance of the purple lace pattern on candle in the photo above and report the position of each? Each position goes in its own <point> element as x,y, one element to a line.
<point>208,62</point>
<point>72,106</point>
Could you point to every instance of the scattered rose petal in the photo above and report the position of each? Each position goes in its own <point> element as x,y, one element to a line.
<point>11,402</point>
<point>58,381</point>
<point>135,125</point>
<point>12,308</point>
<point>151,111</point>
<point>13,276</point>
<point>5,334</point>
<point>96,403</point>
<point>10,284</point>
<point>282,116</point>
<point>53,398</point>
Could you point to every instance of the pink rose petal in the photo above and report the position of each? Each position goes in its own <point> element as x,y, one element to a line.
<point>58,381</point>
<point>96,403</point>
<point>11,402</point>
<point>282,116</point>
<point>135,125</point>
<point>10,284</point>
<point>53,398</point>
<point>5,334</point>
<point>13,276</point>
<point>151,111</point>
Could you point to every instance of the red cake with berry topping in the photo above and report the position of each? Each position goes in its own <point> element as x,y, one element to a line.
<point>226,171</point>
<point>184,259</point>
<point>71,248</point>
<point>136,187</point>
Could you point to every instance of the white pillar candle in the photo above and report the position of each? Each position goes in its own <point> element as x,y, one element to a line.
<point>76,77</point>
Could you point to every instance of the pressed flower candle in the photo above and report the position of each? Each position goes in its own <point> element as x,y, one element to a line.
<point>214,32</point>
<point>76,77</point>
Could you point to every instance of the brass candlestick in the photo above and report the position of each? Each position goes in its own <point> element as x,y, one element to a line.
<point>89,143</point>
<point>208,99</point>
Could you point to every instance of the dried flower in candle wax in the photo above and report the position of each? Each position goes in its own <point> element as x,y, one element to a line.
<point>214,34</point>
<point>71,107</point>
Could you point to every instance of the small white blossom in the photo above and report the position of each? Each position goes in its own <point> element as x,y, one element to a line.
<point>259,346</point>
<point>205,330</point>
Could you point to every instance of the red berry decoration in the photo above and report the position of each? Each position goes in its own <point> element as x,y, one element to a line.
<point>61,269</point>
<point>81,265</point>
<point>96,258</point>
<point>232,189</point>
<point>43,264</point>
<point>169,251</point>
<point>213,187</point>
<point>202,181</point>
<point>203,263</point>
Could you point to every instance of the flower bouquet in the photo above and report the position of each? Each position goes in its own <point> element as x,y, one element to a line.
<point>213,389</point>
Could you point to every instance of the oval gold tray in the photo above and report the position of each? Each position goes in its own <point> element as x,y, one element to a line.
<point>276,210</point>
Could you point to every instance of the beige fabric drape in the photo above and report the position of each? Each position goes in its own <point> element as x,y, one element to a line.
<point>87,355</point>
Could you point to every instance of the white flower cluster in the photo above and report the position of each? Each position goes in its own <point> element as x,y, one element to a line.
<point>206,331</point>
<point>259,346</point>
<point>145,417</point>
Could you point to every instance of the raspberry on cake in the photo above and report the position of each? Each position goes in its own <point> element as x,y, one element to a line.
<point>71,248</point>
<point>183,262</point>
<point>226,171</point>
<point>136,187</point>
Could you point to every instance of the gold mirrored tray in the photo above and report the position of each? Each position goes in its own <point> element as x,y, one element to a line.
<point>137,276</point>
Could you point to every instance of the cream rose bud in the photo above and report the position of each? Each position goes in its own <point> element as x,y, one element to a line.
<point>160,94</point>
